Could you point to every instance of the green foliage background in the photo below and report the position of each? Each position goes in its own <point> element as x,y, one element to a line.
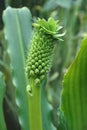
<point>73,16</point>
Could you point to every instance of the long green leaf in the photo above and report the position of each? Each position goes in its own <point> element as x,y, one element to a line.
<point>74,95</point>
<point>17,32</point>
<point>51,4</point>
<point>2,93</point>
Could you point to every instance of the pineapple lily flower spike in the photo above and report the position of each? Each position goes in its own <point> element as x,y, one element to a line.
<point>38,64</point>
<point>41,50</point>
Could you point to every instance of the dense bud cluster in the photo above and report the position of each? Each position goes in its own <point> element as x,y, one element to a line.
<point>40,52</point>
<point>40,56</point>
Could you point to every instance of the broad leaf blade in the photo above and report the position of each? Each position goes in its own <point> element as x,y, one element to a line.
<point>17,35</point>
<point>74,95</point>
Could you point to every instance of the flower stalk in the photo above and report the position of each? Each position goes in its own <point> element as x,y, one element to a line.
<point>35,120</point>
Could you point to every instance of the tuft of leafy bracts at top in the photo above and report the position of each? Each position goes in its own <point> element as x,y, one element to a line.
<point>40,53</point>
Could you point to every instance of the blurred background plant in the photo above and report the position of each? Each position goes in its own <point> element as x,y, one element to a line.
<point>73,16</point>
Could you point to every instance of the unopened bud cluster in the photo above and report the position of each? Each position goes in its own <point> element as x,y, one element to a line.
<point>40,54</point>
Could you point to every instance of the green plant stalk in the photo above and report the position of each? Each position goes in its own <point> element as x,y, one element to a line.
<point>2,92</point>
<point>35,116</point>
<point>2,121</point>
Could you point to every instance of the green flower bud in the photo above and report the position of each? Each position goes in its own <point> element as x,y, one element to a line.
<point>42,77</point>
<point>36,64</point>
<point>43,64</point>
<point>31,73</point>
<point>36,71</point>
<point>39,56</point>
<point>33,67</point>
<point>40,62</point>
<point>41,50</point>
<point>42,71</point>
<point>37,81</point>
<point>36,58</point>
<point>40,67</point>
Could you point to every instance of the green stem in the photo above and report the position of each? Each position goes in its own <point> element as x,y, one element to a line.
<point>2,121</point>
<point>35,118</point>
<point>2,93</point>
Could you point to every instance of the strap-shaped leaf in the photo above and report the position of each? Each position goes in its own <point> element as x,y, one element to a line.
<point>2,93</point>
<point>74,95</point>
<point>17,32</point>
